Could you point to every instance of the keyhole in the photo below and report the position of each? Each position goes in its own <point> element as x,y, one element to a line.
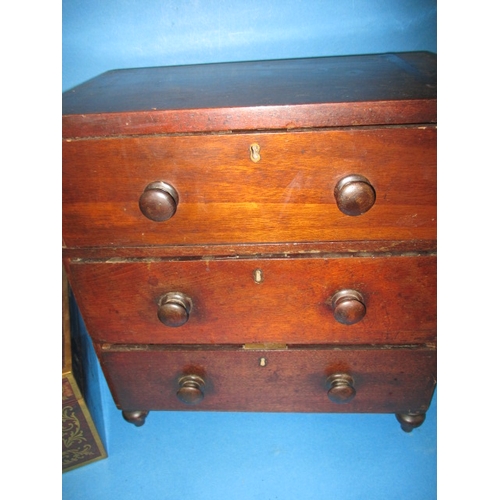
<point>258,276</point>
<point>254,152</point>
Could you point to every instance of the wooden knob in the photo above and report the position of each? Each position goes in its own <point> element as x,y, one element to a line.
<point>354,194</point>
<point>340,388</point>
<point>174,309</point>
<point>159,201</point>
<point>348,307</point>
<point>191,389</point>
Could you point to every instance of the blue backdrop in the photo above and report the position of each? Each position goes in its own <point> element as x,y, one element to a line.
<point>99,35</point>
<point>247,456</point>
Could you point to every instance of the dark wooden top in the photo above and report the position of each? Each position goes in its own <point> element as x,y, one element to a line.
<point>280,94</point>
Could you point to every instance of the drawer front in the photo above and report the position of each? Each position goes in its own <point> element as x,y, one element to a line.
<point>262,300</point>
<point>299,380</point>
<point>225,197</point>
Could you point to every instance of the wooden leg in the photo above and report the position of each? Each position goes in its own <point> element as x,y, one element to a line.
<point>410,420</point>
<point>137,417</point>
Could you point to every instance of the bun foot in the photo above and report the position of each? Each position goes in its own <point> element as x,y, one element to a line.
<point>410,420</point>
<point>137,417</point>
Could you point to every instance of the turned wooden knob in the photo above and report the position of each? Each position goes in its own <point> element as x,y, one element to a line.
<point>159,201</point>
<point>354,194</point>
<point>340,388</point>
<point>348,307</point>
<point>191,389</point>
<point>174,309</point>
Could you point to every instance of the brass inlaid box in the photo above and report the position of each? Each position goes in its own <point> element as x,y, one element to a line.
<point>81,443</point>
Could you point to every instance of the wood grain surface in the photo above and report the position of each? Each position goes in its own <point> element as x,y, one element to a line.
<point>224,197</point>
<point>385,380</point>
<point>290,304</point>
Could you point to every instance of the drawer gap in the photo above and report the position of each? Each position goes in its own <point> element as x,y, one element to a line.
<point>256,347</point>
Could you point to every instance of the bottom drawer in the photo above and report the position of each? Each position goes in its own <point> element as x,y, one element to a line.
<point>378,380</point>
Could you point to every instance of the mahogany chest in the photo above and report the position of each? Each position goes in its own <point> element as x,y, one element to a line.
<point>257,236</point>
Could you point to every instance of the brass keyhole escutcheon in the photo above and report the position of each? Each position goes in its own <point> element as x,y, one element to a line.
<point>258,276</point>
<point>254,152</point>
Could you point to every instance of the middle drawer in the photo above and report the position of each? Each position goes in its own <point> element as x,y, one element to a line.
<point>345,300</point>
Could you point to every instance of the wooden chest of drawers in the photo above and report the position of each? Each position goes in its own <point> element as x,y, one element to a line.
<point>257,236</point>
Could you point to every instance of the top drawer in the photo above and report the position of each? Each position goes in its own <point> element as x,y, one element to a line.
<point>283,191</point>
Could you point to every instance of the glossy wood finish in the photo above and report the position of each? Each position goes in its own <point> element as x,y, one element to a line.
<point>297,93</point>
<point>292,304</point>
<point>224,197</point>
<point>386,380</point>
